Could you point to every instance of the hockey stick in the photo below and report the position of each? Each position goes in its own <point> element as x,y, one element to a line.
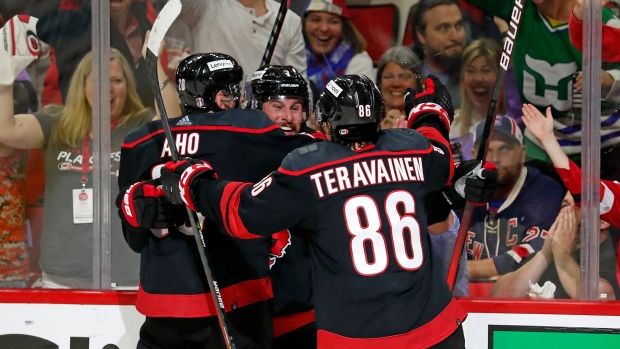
<point>164,20</point>
<point>489,123</point>
<point>275,33</point>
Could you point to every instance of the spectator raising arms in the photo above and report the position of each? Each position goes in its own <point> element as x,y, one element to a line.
<point>65,134</point>
<point>541,127</point>
<point>334,46</point>
<point>478,75</point>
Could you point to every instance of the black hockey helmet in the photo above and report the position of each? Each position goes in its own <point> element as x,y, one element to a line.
<point>201,76</point>
<point>278,81</point>
<point>352,107</point>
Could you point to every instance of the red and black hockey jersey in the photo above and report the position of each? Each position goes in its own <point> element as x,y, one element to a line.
<point>243,146</point>
<point>374,283</point>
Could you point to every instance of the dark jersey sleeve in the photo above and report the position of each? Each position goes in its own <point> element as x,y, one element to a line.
<point>249,211</point>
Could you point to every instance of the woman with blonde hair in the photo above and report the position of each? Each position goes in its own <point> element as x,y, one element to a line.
<point>65,135</point>
<point>480,66</point>
<point>334,47</point>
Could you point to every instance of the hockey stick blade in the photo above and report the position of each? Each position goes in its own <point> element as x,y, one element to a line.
<point>489,123</point>
<point>275,34</point>
<point>164,20</point>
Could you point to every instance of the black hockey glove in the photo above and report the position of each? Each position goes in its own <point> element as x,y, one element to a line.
<point>472,182</point>
<point>179,177</point>
<point>434,101</point>
<point>143,205</point>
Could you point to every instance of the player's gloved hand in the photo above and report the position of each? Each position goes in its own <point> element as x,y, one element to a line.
<point>143,205</point>
<point>19,46</point>
<point>178,177</point>
<point>433,101</point>
<point>473,182</point>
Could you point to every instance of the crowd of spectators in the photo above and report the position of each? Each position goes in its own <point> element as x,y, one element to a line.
<point>507,238</point>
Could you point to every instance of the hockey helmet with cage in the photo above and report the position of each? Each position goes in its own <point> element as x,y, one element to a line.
<point>352,107</point>
<point>278,82</point>
<point>201,76</point>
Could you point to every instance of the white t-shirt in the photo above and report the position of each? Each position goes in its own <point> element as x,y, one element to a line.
<point>360,64</point>
<point>228,27</point>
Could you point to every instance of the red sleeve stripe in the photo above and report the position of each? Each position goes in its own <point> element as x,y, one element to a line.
<point>357,157</point>
<point>229,209</point>
<point>202,305</point>
<point>203,128</point>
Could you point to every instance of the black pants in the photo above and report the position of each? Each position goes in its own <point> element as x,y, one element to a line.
<point>251,328</point>
<point>301,338</point>
<point>455,341</point>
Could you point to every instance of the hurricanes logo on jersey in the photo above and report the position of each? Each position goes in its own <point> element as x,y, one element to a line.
<point>279,242</point>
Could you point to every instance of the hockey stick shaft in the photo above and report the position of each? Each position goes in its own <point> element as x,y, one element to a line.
<point>489,123</point>
<point>165,18</point>
<point>275,33</point>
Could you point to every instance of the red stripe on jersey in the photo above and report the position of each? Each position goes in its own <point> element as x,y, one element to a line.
<point>203,128</point>
<point>289,323</point>
<point>433,332</point>
<point>357,157</point>
<point>229,209</point>
<point>201,305</point>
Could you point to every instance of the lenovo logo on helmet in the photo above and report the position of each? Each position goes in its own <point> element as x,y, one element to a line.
<point>221,64</point>
<point>343,132</point>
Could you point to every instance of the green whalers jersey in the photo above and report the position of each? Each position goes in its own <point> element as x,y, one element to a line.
<point>544,62</point>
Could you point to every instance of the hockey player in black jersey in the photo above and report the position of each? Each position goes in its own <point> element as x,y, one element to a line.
<point>361,199</point>
<point>282,93</point>
<point>246,146</point>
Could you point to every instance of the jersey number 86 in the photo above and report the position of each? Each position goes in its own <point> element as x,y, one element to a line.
<point>366,205</point>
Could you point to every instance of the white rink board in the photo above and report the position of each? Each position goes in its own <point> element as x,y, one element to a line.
<point>102,324</point>
<point>114,326</point>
